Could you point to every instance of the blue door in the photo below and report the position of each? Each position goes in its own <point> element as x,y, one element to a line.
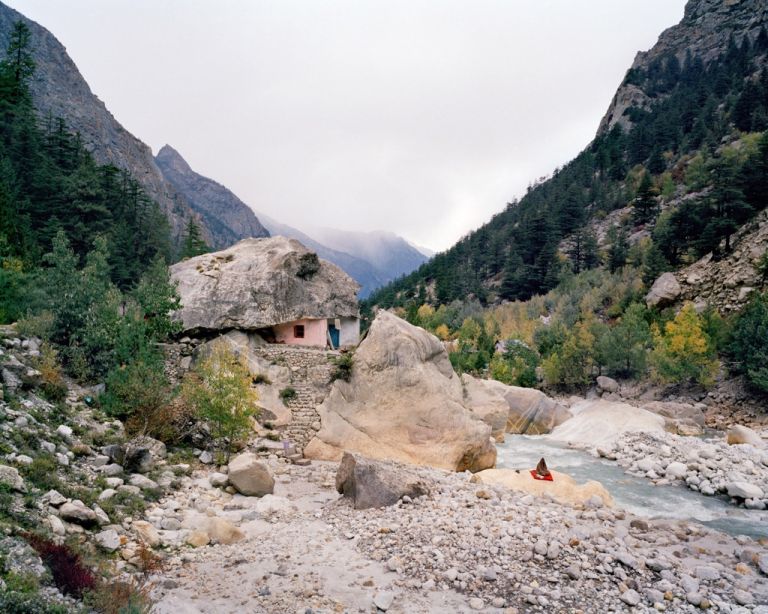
<point>335,335</point>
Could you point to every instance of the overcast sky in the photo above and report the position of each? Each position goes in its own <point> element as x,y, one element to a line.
<point>419,117</point>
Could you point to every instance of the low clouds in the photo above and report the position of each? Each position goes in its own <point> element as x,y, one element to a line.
<point>422,118</point>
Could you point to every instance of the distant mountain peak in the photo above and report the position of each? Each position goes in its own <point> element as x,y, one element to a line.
<point>227,217</point>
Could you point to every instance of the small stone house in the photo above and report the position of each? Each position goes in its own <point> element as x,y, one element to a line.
<point>275,287</point>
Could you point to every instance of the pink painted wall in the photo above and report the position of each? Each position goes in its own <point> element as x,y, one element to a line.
<point>315,333</point>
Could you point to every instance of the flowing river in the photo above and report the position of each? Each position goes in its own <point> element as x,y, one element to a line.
<point>632,493</point>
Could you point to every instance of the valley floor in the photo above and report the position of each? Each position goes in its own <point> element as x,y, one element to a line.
<point>462,548</point>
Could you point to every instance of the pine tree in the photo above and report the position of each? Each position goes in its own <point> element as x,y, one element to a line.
<point>619,250</point>
<point>645,202</point>
<point>193,244</point>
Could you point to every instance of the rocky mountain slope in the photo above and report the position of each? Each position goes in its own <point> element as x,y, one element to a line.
<point>702,85</point>
<point>228,218</point>
<point>59,90</point>
<point>706,31</point>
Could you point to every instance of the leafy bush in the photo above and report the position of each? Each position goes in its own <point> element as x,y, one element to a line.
<point>120,598</point>
<point>157,296</point>
<point>571,365</point>
<point>220,391</point>
<point>19,603</point>
<point>288,393</point>
<point>682,351</point>
<point>749,343</point>
<point>53,385</point>
<point>136,390</point>
<point>42,472</point>
<point>70,574</point>
<point>37,325</point>
<point>516,366</point>
<point>343,367</point>
<point>623,349</point>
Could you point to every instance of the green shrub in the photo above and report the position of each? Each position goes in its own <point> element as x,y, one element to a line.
<point>343,367</point>
<point>516,366</point>
<point>137,388</point>
<point>748,347</point>
<point>20,603</point>
<point>220,391</point>
<point>571,365</point>
<point>288,393</point>
<point>623,349</point>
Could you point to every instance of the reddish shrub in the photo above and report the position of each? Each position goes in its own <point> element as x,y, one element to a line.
<point>69,573</point>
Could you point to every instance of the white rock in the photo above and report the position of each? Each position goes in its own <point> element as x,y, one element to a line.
<point>383,600</point>
<point>64,431</point>
<point>744,490</point>
<point>676,470</point>
<point>109,540</point>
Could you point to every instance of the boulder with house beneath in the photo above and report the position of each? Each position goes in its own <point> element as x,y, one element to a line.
<point>273,285</point>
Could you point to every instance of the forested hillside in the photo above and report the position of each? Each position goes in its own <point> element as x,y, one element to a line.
<point>50,183</point>
<point>673,147</point>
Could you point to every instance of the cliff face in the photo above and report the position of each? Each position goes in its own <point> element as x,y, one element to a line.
<point>60,90</point>
<point>705,30</point>
<point>228,218</point>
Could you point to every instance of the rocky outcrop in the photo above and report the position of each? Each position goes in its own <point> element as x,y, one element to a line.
<point>664,291</point>
<point>404,403</point>
<point>705,31</point>
<point>228,218</point>
<point>258,283</point>
<point>487,402</point>
<point>59,90</point>
<point>602,423</point>
<point>377,483</point>
<point>562,488</point>
<point>728,283</point>
<point>680,418</point>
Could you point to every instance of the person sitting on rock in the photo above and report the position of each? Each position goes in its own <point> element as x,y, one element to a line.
<point>541,472</point>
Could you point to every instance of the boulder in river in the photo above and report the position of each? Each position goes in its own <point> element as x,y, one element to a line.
<point>562,488</point>
<point>601,423</point>
<point>487,402</point>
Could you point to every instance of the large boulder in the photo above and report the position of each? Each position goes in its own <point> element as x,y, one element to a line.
<point>403,402</point>
<point>10,477</point>
<point>250,476</point>
<point>487,402</point>
<point>562,488</point>
<point>258,283</point>
<point>601,423</point>
<point>664,291</point>
<point>376,483</point>
<point>741,434</point>
<point>531,412</point>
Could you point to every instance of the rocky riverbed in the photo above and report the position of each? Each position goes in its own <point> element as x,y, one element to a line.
<point>462,547</point>
<point>709,466</point>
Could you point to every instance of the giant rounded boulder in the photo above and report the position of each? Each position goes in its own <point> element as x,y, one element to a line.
<point>250,476</point>
<point>258,283</point>
<point>403,403</point>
